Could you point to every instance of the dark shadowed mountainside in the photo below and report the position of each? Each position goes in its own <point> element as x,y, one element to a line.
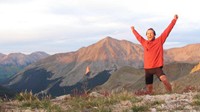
<point>6,93</point>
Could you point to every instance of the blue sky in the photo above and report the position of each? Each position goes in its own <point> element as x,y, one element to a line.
<point>58,26</point>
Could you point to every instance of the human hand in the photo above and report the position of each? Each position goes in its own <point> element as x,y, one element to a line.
<point>132,27</point>
<point>175,16</point>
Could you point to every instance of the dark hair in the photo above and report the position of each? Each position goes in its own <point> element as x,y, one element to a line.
<point>152,30</point>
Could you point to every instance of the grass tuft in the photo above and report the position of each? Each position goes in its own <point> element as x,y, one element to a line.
<point>140,108</point>
<point>32,101</point>
<point>196,99</point>
<point>100,104</point>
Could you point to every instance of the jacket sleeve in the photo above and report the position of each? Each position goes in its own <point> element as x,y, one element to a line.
<point>138,36</point>
<point>166,32</point>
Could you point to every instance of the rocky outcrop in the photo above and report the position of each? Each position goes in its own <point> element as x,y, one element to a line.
<point>196,68</point>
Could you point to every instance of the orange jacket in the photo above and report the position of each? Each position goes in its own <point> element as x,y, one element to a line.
<point>153,50</point>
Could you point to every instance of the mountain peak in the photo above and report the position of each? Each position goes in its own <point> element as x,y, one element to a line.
<point>108,39</point>
<point>110,49</point>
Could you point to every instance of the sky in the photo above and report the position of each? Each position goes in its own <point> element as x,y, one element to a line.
<point>60,26</point>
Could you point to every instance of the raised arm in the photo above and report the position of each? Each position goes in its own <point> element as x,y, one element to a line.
<point>167,31</point>
<point>137,35</point>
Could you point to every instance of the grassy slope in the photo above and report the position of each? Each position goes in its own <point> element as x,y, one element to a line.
<point>133,79</point>
<point>122,78</point>
<point>187,83</point>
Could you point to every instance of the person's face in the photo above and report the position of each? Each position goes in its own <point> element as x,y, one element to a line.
<point>150,35</point>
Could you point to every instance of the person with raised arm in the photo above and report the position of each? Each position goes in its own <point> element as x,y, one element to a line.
<point>153,55</point>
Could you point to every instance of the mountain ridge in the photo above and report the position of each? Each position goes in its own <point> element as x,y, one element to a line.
<point>66,70</point>
<point>187,54</point>
<point>21,59</point>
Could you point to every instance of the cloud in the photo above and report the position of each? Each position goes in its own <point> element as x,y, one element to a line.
<point>57,23</point>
